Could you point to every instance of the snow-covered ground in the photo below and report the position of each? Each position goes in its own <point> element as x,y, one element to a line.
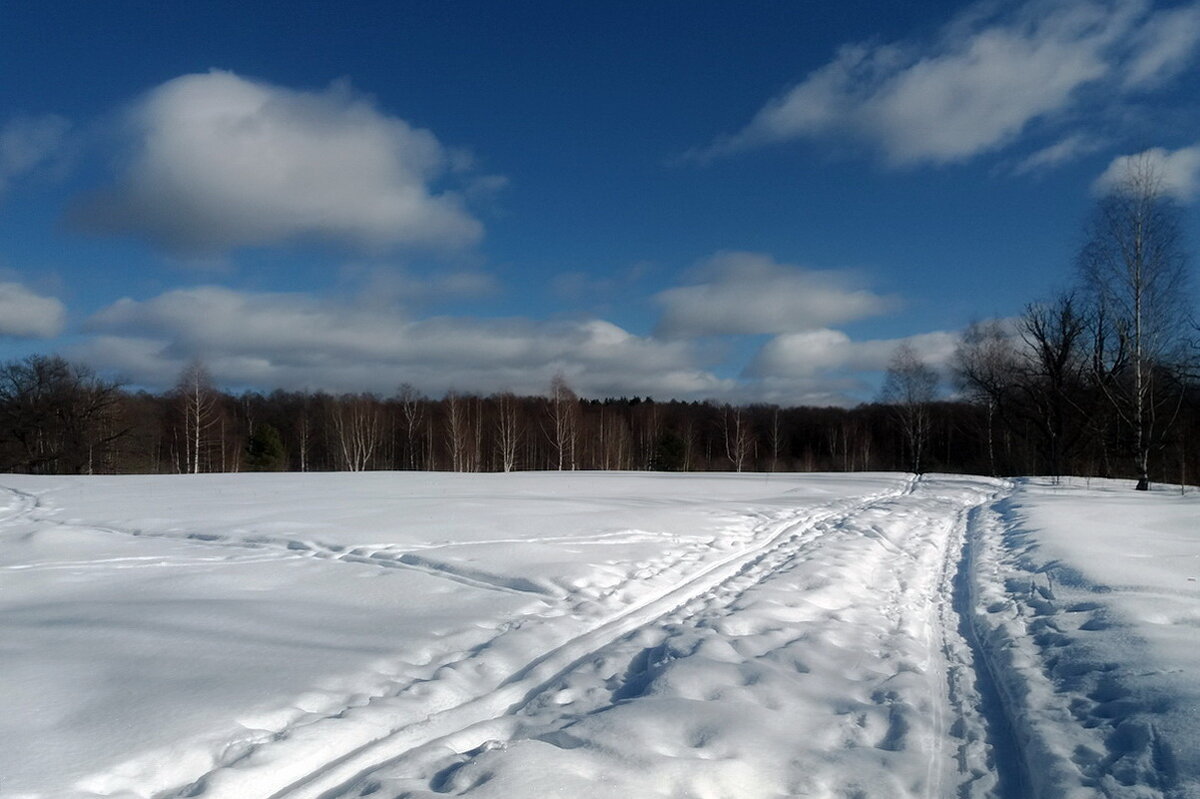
<point>1088,609</point>
<point>596,635</point>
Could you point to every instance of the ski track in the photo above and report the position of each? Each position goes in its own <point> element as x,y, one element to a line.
<point>475,731</point>
<point>979,744</point>
<point>1081,727</point>
<point>976,680</point>
<point>388,556</point>
<point>369,774</point>
<point>359,747</point>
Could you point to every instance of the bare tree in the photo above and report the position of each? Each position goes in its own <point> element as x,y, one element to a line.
<point>738,435</point>
<point>563,411</point>
<point>1053,377</point>
<point>456,430</point>
<point>509,430</point>
<point>775,437</point>
<point>475,463</point>
<point>909,387</point>
<point>985,364</point>
<point>412,409</point>
<point>1133,267</point>
<point>1033,377</point>
<point>614,439</point>
<point>60,416</point>
<point>200,414</point>
<point>357,425</point>
<point>302,422</point>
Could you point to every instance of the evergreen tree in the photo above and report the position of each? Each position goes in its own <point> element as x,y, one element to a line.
<point>264,451</point>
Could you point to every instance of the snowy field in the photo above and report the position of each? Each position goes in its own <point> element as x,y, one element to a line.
<point>596,635</point>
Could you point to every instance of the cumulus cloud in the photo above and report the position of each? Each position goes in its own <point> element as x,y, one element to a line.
<point>26,314</point>
<point>28,142</point>
<point>1178,169</point>
<point>809,354</point>
<point>297,341</point>
<point>991,72</point>
<point>749,293</point>
<point>218,161</point>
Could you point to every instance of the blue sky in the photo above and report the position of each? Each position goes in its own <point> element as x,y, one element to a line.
<point>745,201</point>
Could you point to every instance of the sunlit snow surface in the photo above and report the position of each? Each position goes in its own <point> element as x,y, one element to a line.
<point>596,635</point>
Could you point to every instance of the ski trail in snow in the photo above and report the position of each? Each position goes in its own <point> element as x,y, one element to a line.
<point>409,556</point>
<point>790,546</point>
<point>1084,713</point>
<point>1009,778</point>
<point>381,555</point>
<point>355,750</point>
<point>19,508</point>
<point>914,689</point>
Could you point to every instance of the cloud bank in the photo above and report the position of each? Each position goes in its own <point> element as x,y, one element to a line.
<point>745,293</point>
<point>26,314</point>
<point>371,341</point>
<point>990,74</point>
<point>298,341</point>
<point>217,161</point>
<point>807,354</point>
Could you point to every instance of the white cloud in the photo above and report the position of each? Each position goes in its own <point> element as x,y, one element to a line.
<point>1068,149</point>
<point>989,75</point>
<point>26,143</point>
<point>25,314</point>
<point>1178,169</point>
<point>219,162</point>
<point>297,341</point>
<point>815,353</point>
<point>749,293</point>
<point>1163,47</point>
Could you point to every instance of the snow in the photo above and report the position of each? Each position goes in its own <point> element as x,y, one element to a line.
<point>1090,608</point>
<point>596,634</point>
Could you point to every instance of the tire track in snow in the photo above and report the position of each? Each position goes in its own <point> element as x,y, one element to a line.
<point>343,774</point>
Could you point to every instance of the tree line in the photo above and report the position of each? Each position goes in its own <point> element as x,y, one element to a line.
<point>1098,380</point>
<point>1023,411</point>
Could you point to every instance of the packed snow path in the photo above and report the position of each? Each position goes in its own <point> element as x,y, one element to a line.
<point>589,635</point>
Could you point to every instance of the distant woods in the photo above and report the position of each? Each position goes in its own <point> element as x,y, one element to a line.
<point>1018,414</point>
<point>1099,380</point>
<point>82,425</point>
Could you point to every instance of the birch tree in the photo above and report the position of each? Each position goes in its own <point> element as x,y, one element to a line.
<point>910,387</point>
<point>738,436</point>
<point>199,412</point>
<point>357,425</point>
<point>1133,268</point>
<point>563,410</point>
<point>456,430</point>
<point>509,430</point>
<point>412,411</point>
